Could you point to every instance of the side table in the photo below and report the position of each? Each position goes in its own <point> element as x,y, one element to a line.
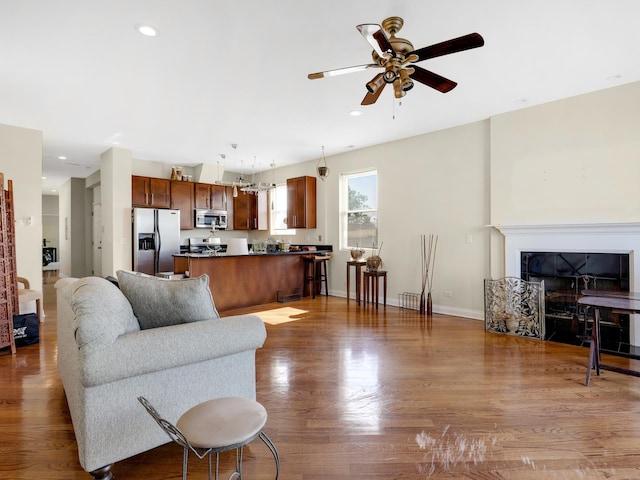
<point>372,284</point>
<point>358,268</point>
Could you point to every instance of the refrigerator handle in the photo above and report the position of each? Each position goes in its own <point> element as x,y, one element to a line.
<point>158,242</point>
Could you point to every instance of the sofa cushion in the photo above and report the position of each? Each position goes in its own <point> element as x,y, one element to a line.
<point>158,302</point>
<point>101,313</point>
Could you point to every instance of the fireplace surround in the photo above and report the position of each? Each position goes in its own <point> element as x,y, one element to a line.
<point>597,238</point>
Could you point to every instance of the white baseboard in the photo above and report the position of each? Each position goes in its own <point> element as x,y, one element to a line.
<point>441,309</point>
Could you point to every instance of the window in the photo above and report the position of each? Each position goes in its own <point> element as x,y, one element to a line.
<point>279,211</point>
<point>359,208</point>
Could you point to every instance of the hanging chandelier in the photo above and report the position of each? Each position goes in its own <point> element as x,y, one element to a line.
<point>255,188</point>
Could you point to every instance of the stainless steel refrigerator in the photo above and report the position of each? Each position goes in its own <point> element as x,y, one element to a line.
<point>156,237</point>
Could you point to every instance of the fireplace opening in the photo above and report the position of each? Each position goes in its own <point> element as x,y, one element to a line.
<point>566,275</point>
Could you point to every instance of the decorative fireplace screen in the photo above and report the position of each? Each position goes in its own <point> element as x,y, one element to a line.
<point>514,306</point>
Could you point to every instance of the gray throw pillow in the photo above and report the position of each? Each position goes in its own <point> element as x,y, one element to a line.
<point>158,302</point>
<point>102,313</point>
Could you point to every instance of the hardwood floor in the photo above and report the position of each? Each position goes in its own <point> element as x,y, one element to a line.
<point>370,394</point>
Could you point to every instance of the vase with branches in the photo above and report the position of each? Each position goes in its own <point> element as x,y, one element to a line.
<point>428,253</point>
<point>374,261</point>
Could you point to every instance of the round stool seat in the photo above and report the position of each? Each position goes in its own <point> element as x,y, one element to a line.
<point>223,423</point>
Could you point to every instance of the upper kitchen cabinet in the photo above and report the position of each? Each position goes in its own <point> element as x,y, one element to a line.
<point>211,197</point>
<point>250,212</point>
<point>301,202</point>
<point>150,192</point>
<point>182,198</point>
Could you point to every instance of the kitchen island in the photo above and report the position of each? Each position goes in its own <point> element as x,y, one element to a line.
<point>246,280</point>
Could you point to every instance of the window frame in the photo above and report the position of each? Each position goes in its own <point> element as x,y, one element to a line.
<point>273,210</point>
<point>344,207</point>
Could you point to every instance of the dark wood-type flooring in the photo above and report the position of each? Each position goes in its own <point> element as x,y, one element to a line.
<point>370,394</point>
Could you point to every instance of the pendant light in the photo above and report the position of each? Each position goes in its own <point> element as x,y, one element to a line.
<point>235,158</point>
<point>323,170</point>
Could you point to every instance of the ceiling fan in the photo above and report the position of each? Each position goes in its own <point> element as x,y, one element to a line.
<point>396,56</point>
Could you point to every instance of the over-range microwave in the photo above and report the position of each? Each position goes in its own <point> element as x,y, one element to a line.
<point>211,218</point>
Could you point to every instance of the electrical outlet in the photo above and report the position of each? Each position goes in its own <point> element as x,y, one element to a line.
<point>447,293</point>
<point>469,238</point>
<point>319,238</point>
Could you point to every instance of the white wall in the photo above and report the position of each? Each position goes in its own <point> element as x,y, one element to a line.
<point>21,162</point>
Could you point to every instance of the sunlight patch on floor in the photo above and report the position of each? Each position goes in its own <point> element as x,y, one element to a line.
<point>281,315</point>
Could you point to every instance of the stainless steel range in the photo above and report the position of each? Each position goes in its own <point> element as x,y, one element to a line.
<point>206,246</point>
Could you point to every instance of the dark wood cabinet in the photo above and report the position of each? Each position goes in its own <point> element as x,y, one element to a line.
<point>150,192</point>
<point>251,212</point>
<point>301,202</point>
<point>182,198</point>
<point>242,211</point>
<point>211,196</point>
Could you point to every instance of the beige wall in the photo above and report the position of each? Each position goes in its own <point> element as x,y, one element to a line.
<point>21,162</point>
<point>429,184</point>
<point>115,192</point>
<point>572,161</point>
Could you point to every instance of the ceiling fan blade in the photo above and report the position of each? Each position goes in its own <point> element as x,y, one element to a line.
<point>466,42</point>
<point>432,80</point>
<point>371,98</point>
<point>377,38</point>
<point>341,71</point>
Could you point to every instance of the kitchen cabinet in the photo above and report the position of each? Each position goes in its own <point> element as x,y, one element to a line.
<point>182,198</point>
<point>251,212</point>
<point>150,192</point>
<point>210,196</point>
<point>301,202</point>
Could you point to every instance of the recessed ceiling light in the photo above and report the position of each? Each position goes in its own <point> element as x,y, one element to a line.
<point>43,178</point>
<point>62,157</point>
<point>614,77</point>
<point>355,113</point>
<point>521,101</point>
<point>146,30</point>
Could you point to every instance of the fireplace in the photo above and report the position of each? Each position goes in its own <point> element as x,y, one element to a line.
<point>565,276</point>
<point>620,239</point>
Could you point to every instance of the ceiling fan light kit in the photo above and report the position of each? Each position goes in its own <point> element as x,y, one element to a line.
<point>394,54</point>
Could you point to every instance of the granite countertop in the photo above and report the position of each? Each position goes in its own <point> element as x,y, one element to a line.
<point>261,254</point>
<point>319,250</point>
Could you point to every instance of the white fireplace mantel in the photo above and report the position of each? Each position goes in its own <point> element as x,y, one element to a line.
<point>586,238</point>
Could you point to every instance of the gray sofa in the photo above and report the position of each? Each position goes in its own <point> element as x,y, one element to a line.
<point>161,339</point>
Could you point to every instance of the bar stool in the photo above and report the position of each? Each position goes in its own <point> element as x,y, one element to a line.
<point>357,264</point>
<point>216,426</point>
<point>372,284</point>
<point>315,274</point>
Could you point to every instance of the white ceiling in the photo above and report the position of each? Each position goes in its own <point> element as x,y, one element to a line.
<point>223,72</point>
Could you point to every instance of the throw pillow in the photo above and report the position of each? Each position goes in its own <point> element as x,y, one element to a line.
<point>159,302</point>
<point>102,313</point>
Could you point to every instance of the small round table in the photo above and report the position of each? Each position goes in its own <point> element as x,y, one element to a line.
<point>372,284</point>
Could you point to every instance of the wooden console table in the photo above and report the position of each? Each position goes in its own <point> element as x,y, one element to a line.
<point>372,286</point>
<point>358,268</point>
<point>617,302</point>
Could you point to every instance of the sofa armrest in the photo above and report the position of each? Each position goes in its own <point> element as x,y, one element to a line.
<point>155,349</point>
